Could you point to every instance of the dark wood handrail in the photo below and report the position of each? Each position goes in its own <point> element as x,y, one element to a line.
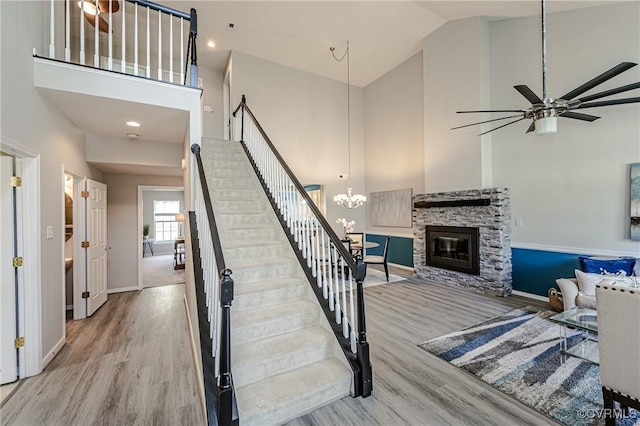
<point>330,232</point>
<point>160,8</point>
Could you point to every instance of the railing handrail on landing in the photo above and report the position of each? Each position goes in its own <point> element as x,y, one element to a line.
<point>306,227</point>
<point>218,286</point>
<point>103,51</point>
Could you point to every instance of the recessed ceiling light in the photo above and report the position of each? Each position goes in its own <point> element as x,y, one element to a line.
<point>133,124</point>
<point>211,43</point>
<point>132,135</point>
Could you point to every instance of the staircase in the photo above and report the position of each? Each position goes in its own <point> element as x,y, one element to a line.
<point>285,358</point>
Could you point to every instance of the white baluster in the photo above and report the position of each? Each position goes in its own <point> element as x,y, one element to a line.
<point>148,66</point>
<point>82,58</point>
<point>326,266</point>
<point>312,249</point>
<point>345,320</point>
<point>67,32</point>
<point>96,38</point>
<point>352,319</point>
<point>52,34</point>
<point>123,59</point>
<point>317,255</point>
<point>110,59</point>
<point>181,50</point>
<point>135,40</point>
<point>160,46</point>
<point>339,266</point>
<point>170,49</point>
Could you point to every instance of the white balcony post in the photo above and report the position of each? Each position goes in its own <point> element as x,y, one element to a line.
<point>135,41</point>
<point>110,59</point>
<point>52,40</point>
<point>159,45</point>
<point>96,40</point>
<point>67,33</point>
<point>82,32</point>
<point>181,50</point>
<point>148,44</point>
<point>124,39</point>
<point>170,48</point>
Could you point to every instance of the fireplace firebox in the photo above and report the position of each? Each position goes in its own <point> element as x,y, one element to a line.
<point>453,247</point>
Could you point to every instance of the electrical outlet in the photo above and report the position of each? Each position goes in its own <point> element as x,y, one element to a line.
<point>208,108</point>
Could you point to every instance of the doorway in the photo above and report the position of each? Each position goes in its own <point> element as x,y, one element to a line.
<point>161,219</point>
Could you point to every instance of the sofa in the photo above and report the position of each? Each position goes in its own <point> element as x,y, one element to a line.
<point>581,290</point>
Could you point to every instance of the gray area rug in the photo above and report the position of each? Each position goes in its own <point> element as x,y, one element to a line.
<point>518,353</point>
<point>375,277</point>
<point>158,271</point>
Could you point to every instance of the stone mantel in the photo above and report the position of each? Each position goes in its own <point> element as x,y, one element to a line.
<point>487,209</point>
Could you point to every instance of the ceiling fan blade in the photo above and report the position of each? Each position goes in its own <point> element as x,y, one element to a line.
<point>528,93</point>
<point>579,116</point>
<point>620,68</point>
<point>103,26</point>
<point>611,102</point>
<point>486,121</point>
<point>532,127</point>
<point>500,127</point>
<point>492,110</point>
<point>103,5</point>
<point>610,92</point>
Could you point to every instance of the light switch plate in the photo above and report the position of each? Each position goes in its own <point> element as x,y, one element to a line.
<point>49,232</point>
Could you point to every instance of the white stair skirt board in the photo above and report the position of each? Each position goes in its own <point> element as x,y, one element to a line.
<point>285,358</point>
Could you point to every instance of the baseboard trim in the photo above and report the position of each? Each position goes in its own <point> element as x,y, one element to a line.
<point>194,355</point>
<point>530,295</point>
<point>574,250</point>
<point>122,290</point>
<point>53,352</point>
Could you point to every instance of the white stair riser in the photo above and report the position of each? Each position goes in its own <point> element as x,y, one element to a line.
<point>231,173</point>
<point>228,194</point>
<point>247,273</point>
<point>258,252</point>
<point>258,234</point>
<point>228,183</point>
<point>247,374</point>
<point>234,206</point>
<point>272,297</point>
<point>244,220</point>
<point>271,327</point>
<point>225,156</point>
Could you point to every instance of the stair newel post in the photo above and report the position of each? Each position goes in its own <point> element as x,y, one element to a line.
<point>225,390</point>
<point>193,34</point>
<point>366,375</point>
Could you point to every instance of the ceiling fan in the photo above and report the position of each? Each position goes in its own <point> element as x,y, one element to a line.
<point>545,112</point>
<point>94,8</point>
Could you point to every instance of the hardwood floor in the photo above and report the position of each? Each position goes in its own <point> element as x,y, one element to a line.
<point>130,363</point>
<point>411,386</point>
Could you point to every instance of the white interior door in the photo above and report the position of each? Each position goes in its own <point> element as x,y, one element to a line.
<point>97,251</point>
<point>8,314</point>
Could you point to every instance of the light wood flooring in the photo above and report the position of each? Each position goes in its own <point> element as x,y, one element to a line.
<point>411,386</point>
<point>130,363</point>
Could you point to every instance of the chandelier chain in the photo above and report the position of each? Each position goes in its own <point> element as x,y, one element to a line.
<point>346,55</point>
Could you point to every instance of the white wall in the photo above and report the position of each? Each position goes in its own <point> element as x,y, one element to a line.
<point>148,197</point>
<point>305,117</point>
<point>33,122</point>
<point>455,66</point>
<point>212,122</point>
<point>103,149</point>
<point>123,234</point>
<point>394,135</point>
<point>571,190</point>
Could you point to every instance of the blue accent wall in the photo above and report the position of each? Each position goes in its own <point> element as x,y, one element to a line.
<point>536,271</point>
<point>400,249</point>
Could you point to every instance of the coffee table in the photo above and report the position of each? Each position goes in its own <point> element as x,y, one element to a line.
<point>585,320</point>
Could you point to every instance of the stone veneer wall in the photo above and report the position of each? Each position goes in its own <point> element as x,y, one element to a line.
<point>494,223</point>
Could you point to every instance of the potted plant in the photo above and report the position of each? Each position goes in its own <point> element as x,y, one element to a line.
<point>145,231</point>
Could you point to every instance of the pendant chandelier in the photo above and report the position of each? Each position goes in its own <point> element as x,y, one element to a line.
<point>348,200</point>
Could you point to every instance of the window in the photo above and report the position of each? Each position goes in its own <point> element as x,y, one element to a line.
<point>164,215</point>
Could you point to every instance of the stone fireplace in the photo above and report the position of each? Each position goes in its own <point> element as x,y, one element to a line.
<point>463,239</point>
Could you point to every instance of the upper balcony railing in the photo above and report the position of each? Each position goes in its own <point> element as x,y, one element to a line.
<point>135,37</point>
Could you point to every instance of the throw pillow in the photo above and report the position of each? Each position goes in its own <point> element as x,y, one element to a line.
<point>608,265</point>
<point>587,282</point>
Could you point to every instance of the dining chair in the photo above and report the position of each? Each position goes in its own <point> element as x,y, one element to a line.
<point>357,238</point>
<point>380,260</point>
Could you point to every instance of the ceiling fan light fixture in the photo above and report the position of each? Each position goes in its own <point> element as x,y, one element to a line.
<point>546,126</point>
<point>88,6</point>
